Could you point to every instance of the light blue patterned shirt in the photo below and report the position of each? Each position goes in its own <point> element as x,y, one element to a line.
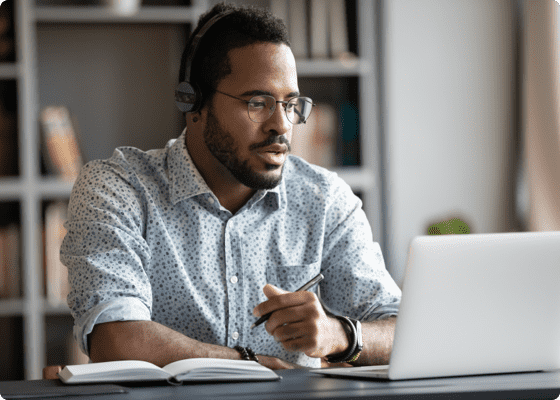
<point>148,240</point>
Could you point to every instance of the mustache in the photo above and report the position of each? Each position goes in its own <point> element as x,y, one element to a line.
<point>273,139</point>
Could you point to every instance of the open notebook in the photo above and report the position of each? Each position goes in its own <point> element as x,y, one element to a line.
<point>476,304</point>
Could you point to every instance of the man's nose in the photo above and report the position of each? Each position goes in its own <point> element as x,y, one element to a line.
<point>278,121</point>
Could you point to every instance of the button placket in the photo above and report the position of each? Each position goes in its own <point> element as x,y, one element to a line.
<point>232,271</point>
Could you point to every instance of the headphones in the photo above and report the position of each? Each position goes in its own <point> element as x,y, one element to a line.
<point>187,95</point>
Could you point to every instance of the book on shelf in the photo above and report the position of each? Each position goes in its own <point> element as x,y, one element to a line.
<point>315,141</point>
<point>3,262</point>
<point>60,146</point>
<point>12,255</point>
<point>190,370</point>
<point>318,28</point>
<point>168,3</point>
<point>298,29</point>
<point>338,29</point>
<point>11,349</point>
<point>281,10</point>
<point>8,129</point>
<point>348,140</point>
<point>150,3</point>
<point>56,273</point>
<point>7,36</point>
<point>10,271</point>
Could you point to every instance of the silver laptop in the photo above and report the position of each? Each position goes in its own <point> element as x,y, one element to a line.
<point>476,304</point>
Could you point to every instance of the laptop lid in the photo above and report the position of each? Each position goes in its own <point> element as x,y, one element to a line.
<point>479,304</point>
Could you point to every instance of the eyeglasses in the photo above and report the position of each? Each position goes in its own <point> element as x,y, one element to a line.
<point>261,107</point>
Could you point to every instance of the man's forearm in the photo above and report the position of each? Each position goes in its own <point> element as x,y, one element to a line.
<point>160,345</point>
<point>378,342</point>
<point>149,341</point>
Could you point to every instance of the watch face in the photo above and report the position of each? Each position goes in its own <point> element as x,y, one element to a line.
<point>359,341</point>
<point>358,327</point>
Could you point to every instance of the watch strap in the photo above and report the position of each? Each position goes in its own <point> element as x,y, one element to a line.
<point>352,335</point>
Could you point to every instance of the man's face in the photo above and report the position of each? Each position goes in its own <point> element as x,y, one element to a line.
<point>254,153</point>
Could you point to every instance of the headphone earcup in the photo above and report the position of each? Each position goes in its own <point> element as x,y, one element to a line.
<point>187,97</point>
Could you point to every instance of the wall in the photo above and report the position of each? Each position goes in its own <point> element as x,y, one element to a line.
<point>449,116</point>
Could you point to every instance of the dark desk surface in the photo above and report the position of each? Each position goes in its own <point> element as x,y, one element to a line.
<point>301,384</point>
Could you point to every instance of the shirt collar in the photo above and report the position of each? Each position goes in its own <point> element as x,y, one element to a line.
<point>275,195</point>
<point>186,181</point>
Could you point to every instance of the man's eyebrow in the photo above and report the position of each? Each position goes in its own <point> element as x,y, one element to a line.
<point>264,92</point>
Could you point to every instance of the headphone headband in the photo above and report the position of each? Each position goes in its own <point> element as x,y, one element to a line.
<point>187,96</point>
<point>196,41</point>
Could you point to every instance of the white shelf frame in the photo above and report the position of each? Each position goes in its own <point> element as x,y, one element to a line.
<point>30,202</point>
<point>11,308</point>
<point>9,71</point>
<point>99,14</point>
<point>30,189</point>
<point>370,134</point>
<point>333,68</point>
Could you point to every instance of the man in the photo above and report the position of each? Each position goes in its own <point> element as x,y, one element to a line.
<point>174,253</point>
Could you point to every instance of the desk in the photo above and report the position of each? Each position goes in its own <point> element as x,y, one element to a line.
<point>301,384</point>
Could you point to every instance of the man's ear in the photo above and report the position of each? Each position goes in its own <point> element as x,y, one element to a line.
<point>194,116</point>
<point>193,120</point>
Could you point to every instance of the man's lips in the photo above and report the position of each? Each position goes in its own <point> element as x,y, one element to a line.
<point>274,154</point>
<point>274,148</point>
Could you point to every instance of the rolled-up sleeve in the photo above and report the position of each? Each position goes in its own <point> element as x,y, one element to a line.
<point>357,282</point>
<point>104,250</point>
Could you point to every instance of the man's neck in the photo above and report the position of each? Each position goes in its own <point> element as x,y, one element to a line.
<point>233,200</point>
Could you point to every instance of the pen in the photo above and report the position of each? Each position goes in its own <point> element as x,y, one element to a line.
<point>308,285</point>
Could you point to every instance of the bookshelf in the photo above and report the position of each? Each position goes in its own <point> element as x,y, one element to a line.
<point>51,63</point>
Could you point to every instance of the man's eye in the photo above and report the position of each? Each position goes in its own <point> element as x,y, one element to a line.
<point>257,105</point>
<point>290,107</point>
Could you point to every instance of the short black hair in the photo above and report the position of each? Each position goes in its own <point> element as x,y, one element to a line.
<point>245,26</point>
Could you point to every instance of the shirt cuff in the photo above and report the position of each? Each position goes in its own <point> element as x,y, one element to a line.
<point>123,309</point>
<point>382,312</point>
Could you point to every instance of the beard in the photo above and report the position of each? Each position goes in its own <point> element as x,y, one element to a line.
<point>223,146</point>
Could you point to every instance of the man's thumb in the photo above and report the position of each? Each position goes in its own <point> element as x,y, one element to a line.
<point>271,291</point>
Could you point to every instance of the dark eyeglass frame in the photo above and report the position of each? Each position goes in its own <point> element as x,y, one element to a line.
<point>309,100</point>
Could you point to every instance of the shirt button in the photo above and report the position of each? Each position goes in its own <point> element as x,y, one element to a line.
<point>211,200</point>
<point>233,279</point>
<point>235,335</point>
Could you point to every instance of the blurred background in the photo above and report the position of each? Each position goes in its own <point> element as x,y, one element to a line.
<point>429,109</point>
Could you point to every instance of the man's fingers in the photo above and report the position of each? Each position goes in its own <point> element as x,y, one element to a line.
<point>51,372</point>
<point>286,300</point>
<point>299,339</point>
<point>291,315</point>
<point>293,331</point>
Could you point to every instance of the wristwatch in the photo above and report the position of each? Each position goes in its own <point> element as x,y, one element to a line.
<point>353,330</point>
<point>359,338</point>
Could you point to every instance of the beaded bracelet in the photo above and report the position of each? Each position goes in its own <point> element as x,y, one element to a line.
<point>247,353</point>
<point>252,354</point>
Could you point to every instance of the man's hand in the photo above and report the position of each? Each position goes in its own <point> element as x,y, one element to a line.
<point>299,323</point>
<point>276,363</point>
<point>51,371</point>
